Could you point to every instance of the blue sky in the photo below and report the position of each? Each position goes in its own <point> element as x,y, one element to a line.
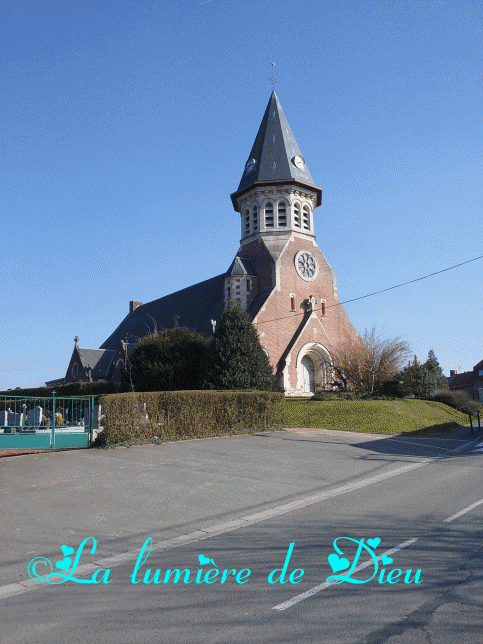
<point>125,126</point>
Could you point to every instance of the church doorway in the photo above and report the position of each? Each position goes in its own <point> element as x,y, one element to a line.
<point>308,375</point>
<point>314,371</point>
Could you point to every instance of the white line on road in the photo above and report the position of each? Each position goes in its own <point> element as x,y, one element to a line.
<point>458,514</point>
<point>317,589</point>
<point>214,530</point>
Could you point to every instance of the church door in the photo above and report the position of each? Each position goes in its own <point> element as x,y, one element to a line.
<point>308,372</point>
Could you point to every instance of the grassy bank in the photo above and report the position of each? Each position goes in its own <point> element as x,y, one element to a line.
<point>402,416</point>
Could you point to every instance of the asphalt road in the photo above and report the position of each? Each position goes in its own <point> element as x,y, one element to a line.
<point>241,502</point>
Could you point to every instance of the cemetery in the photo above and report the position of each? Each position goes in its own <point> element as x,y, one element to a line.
<point>46,422</point>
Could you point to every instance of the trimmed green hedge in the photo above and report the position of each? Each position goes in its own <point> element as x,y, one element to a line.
<point>150,417</point>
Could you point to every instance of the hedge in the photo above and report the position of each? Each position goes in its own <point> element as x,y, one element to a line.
<point>150,417</point>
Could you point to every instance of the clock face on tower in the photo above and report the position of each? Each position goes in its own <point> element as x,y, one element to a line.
<point>250,165</point>
<point>306,265</point>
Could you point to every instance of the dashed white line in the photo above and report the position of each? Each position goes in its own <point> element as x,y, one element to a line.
<point>458,514</point>
<point>317,589</point>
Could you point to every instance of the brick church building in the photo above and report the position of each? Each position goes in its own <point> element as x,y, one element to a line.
<point>279,276</point>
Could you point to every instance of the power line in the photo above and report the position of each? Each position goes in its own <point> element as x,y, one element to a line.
<point>418,279</point>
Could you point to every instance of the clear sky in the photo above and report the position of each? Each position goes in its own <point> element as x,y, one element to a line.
<point>125,125</point>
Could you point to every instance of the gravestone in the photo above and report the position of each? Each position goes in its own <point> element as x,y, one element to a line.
<point>34,416</point>
<point>97,416</point>
<point>3,418</point>
<point>15,419</point>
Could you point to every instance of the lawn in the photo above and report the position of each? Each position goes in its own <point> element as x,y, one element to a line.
<point>401,416</point>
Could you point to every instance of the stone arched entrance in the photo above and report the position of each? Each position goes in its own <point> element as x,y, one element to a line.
<point>313,368</point>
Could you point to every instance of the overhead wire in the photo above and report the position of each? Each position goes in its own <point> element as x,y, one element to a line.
<point>361,297</point>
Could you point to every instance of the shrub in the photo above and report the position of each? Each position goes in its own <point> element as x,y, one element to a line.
<point>159,416</point>
<point>171,360</point>
<point>457,399</point>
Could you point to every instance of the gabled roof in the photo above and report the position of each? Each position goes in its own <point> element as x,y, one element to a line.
<point>274,151</point>
<point>242,266</point>
<point>99,360</point>
<point>195,307</point>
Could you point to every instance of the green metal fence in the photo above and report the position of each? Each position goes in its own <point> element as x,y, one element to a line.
<point>46,422</point>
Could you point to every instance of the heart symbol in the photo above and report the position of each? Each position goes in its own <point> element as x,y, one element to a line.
<point>373,542</point>
<point>385,560</point>
<point>203,560</point>
<point>66,550</point>
<point>64,564</point>
<point>336,563</point>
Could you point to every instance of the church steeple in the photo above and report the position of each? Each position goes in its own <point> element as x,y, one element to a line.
<point>275,155</point>
<point>276,194</point>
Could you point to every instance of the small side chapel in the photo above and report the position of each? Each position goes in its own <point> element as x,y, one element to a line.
<point>279,276</point>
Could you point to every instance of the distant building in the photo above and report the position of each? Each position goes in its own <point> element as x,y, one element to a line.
<point>279,276</point>
<point>469,381</point>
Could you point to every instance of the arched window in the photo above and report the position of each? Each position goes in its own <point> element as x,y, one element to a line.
<point>120,364</point>
<point>306,218</point>
<point>282,214</point>
<point>269,215</point>
<point>246,216</point>
<point>296,215</point>
<point>255,219</point>
<point>75,370</point>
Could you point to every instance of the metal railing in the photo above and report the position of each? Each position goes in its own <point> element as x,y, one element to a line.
<point>58,417</point>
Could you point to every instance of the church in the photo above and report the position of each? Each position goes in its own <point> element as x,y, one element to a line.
<point>279,276</point>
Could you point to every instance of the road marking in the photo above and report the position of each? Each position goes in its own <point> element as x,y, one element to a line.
<point>317,589</point>
<point>458,514</point>
<point>214,530</point>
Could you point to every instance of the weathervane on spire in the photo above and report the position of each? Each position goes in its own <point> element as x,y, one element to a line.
<point>273,76</point>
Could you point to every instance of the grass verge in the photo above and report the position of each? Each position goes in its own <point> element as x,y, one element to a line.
<point>402,416</point>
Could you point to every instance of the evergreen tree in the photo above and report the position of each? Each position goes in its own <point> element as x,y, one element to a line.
<point>422,380</point>
<point>238,360</point>
<point>173,359</point>
<point>433,366</point>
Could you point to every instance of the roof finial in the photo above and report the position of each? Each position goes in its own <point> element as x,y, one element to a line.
<point>273,76</point>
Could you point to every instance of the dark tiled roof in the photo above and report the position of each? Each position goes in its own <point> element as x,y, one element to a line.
<point>196,306</point>
<point>241,266</point>
<point>99,360</point>
<point>257,303</point>
<point>274,148</point>
<point>479,365</point>
<point>462,380</point>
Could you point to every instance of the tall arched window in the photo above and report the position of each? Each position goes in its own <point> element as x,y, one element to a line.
<point>306,218</point>
<point>255,219</point>
<point>296,215</point>
<point>246,217</point>
<point>282,214</point>
<point>269,215</point>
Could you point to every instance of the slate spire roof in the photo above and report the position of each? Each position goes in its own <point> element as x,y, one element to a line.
<point>274,151</point>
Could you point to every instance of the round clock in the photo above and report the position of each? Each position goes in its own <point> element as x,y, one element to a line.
<point>250,165</point>
<point>306,265</point>
<point>298,161</point>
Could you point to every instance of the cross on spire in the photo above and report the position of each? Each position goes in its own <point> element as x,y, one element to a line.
<point>273,76</point>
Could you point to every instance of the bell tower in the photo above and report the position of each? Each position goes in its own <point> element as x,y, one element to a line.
<point>277,195</point>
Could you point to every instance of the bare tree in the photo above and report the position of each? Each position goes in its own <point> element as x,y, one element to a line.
<point>365,363</point>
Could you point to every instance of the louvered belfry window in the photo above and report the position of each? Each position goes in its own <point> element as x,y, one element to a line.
<point>255,219</point>
<point>282,214</point>
<point>246,215</point>
<point>306,218</point>
<point>296,215</point>
<point>269,215</point>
